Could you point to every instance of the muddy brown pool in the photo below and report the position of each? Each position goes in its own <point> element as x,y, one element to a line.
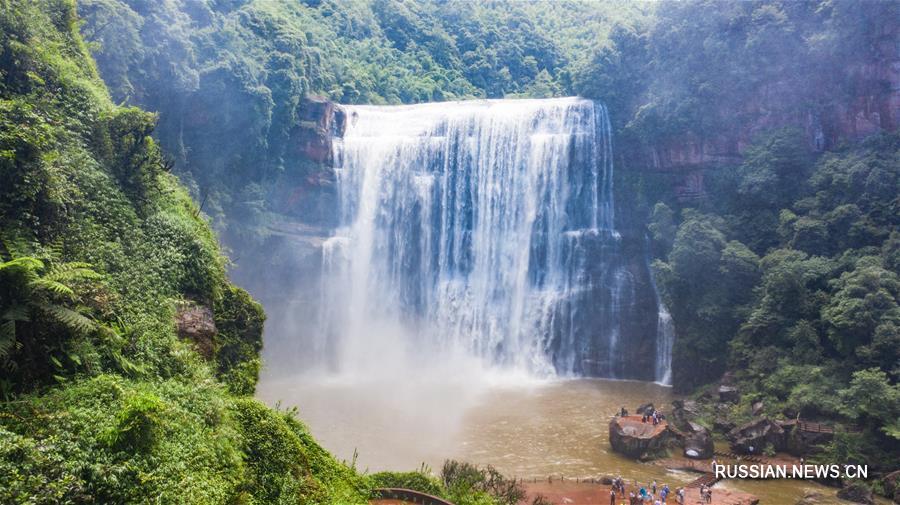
<point>523,427</point>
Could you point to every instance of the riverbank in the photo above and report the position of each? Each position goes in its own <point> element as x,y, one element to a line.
<point>569,492</point>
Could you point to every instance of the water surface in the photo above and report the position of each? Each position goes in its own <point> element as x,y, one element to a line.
<point>523,427</point>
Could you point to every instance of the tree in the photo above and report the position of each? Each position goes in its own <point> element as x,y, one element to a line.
<point>871,396</point>
<point>662,228</point>
<point>866,299</point>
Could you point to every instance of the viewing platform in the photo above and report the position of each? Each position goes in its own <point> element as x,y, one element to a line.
<point>630,436</point>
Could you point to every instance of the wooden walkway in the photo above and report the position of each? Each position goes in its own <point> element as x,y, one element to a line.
<point>707,479</point>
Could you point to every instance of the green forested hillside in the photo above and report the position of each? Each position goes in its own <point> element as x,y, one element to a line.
<point>781,268</point>
<point>103,403</point>
<point>227,77</point>
<point>805,315</point>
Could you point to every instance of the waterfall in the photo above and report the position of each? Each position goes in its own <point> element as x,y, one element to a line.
<point>665,333</point>
<point>484,228</point>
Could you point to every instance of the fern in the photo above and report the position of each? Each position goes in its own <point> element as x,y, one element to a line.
<point>16,247</point>
<point>16,312</point>
<point>54,287</point>
<point>74,271</point>
<point>114,339</point>
<point>40,290</point>
<point>68,317</point>
<point>25,262</point>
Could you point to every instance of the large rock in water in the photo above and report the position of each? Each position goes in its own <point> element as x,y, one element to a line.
<point>857,492</point>
<point>629,436</point>
<point>646,408</point>
<point>683,412</point>
<point>698,442</point>
<point>755,436</point>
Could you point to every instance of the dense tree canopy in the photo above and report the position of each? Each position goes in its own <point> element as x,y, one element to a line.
<point>227,77</point>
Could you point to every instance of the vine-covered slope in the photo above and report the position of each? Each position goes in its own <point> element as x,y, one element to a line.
<point>103,402</point>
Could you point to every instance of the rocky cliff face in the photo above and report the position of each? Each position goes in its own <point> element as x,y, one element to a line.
<point>304,201</point>
<point>866,103</point>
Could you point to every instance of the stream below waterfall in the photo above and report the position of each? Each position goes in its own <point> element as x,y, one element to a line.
<point>523,427</point>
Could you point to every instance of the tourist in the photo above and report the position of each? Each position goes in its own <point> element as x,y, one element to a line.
<point>653,487</point>
<point>612,497</point>
<point>632,498</point>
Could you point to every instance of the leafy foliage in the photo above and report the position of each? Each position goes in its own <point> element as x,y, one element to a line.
<point>239,320</point>
<point>105,404</point>
<point>228,77</point>
<point>817,312</point>
<point>40,315</point>
<point>467,484</point>
<point>417,481</point>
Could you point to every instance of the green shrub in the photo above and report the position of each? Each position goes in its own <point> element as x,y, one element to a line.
<point>285,465</point>
<point>138,424</point>
<point>417,481</point>
<point>239,320</point>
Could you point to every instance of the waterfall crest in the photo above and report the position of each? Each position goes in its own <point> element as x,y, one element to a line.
<point>480,228</point>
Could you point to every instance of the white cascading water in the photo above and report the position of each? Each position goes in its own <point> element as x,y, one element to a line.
<point>665,336</point>
<point>482,229</point>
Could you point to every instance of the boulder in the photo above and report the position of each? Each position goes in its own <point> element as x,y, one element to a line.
<point>698,442</point>
<point>755,436</point>
<point>629,436</point>
<point>757,408</point>
<point>646,408</point>
<point>722,422</point>
<point>683,412</point>
<point>196,323</point>
<point>729,394</point>
<point>856,492</point>
<point>811,498</point>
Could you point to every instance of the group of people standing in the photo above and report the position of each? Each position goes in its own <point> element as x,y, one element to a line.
<point>650,415</point>
<point>646,494</point>
<point>654,417</point>
<point>706,493</point>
